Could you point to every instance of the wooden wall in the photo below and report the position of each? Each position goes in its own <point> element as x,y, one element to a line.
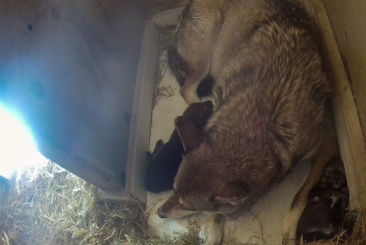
<point>348,20</point>
<point>348,23</point>
<point>69,68</point>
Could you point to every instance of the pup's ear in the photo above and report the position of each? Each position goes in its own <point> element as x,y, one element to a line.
<point>189,134</point>
<point>209,104</point>
<point>233,194</point>
<point>158,144</point>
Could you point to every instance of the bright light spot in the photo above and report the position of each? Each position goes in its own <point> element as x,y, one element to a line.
<point>17,147</point>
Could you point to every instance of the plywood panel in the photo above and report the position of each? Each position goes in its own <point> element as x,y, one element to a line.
<point>69,67</point>
<point>348,20</point>
<point>350,135</point>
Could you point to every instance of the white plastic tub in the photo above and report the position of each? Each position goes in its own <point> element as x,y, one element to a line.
<point>149,126</point>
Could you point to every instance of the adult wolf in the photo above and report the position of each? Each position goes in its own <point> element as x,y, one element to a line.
<point>270,89</point>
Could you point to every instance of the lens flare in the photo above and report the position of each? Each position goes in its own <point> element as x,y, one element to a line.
<point>17,147</point>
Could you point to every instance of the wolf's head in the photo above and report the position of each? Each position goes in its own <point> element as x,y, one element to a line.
<point>200,185</point>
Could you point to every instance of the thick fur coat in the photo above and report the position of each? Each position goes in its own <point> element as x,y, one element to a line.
<point>270,88</point>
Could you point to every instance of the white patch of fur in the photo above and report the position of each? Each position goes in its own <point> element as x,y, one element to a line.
<point>190,95</point>
<point>211,232</point>
<point>334,201</point>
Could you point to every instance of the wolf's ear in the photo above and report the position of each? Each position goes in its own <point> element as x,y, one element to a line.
<point>233,194</point>
<point>189,134</point>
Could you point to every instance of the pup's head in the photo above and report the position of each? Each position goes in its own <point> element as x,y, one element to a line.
<point>334,174</point>
<point>200,184</point>
<point>199,113</point>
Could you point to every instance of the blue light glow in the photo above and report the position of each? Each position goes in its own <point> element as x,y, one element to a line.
<point>17,147</point>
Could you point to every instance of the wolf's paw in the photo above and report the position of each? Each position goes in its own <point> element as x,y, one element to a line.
<point>211,234</point>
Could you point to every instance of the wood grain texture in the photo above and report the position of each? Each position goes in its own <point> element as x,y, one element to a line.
<point>349,130</point>
<point>69,68</point>
<point>348,20</point>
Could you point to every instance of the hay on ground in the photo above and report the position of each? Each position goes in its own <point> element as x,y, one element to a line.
<point>358,236</point>
<point>50,205</point>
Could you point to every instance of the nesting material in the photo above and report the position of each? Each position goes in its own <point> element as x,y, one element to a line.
<point>357,238</point>
<point>50,205</point>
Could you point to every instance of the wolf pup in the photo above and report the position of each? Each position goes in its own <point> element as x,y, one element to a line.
<point>163,163</point>
<point>334,175</point>
<point>270,89</point>
<point>325,211</point>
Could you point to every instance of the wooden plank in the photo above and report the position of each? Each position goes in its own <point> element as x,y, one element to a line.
<point>68,68</point>
<point>350,137</point>
<point>142,104</point>
<point>141,113</point>
<point>348,20</point>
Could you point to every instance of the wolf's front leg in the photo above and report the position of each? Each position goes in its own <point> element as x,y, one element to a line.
<point>212,229</point>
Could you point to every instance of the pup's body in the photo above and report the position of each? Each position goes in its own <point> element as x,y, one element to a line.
<point>271,89</point>
<point>163,163</point>
<point>323,215</point>
<point>327,203</point>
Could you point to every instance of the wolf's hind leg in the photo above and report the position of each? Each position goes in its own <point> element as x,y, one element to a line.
<point>328,149</point>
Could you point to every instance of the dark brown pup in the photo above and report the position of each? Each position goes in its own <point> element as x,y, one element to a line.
<point>327,205</point>
<point>163,163</point>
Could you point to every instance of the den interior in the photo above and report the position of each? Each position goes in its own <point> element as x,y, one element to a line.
<point>91,134</point>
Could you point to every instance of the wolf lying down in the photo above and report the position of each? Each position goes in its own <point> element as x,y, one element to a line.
<point>270,91</point>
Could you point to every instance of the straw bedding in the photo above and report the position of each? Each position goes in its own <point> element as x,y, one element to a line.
<point>49,205</point>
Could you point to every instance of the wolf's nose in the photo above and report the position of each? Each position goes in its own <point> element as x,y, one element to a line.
<point>161,214</point>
